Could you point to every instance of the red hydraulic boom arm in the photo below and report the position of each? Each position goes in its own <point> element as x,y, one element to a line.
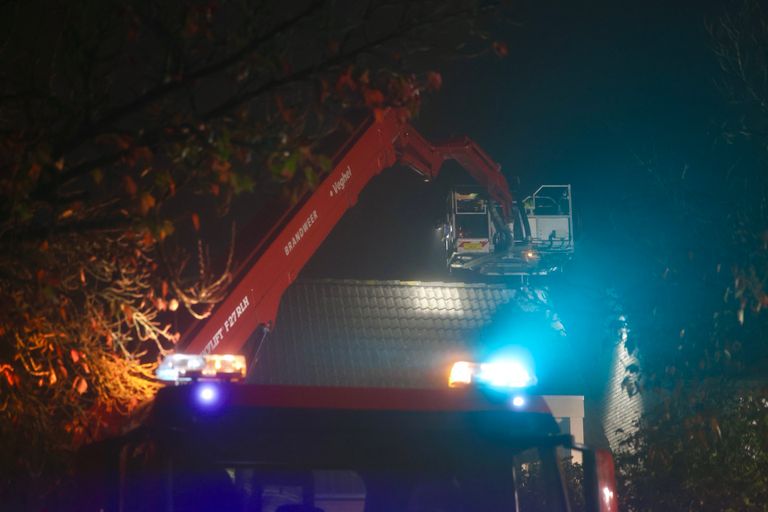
<point>252,305</point>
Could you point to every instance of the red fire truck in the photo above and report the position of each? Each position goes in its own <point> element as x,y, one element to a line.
<point>210,441</point>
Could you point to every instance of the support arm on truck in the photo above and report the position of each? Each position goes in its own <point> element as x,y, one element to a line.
<point>251,307</point>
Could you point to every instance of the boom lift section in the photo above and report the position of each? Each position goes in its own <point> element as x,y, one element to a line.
<point>252,305</point>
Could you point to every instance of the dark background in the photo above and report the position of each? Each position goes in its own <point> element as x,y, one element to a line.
<point>599,95</point>
<point>618,99</point>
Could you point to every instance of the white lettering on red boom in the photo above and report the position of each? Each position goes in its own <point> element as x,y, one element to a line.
<point>299,234</point>
<point>229,323</point>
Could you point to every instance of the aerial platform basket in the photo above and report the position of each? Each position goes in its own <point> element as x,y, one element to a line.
<point>537,241</point>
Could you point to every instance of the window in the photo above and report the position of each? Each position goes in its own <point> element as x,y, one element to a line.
<point>246,489</point>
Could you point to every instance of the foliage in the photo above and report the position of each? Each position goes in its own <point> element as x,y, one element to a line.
<point>739,41</point>
<point>700,444</point>
<point>704,447</point>
<point>129,129</point>
<point>738,38</point>
<point>532,491</point>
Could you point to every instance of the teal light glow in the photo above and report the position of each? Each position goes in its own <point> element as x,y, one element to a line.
<point>506,373</point>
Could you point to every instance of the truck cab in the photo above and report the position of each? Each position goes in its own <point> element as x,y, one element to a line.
<point>229,446</point>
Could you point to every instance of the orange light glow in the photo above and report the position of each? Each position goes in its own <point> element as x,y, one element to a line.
<point>461,374</point>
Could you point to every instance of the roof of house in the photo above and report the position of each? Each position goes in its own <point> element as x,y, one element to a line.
<point>406,334</point>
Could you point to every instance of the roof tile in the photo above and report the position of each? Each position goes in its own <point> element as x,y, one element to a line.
<point>378,333</point>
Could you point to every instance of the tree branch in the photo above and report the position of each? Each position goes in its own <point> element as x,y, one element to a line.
<point>301,75</point>
<point>168,88</point>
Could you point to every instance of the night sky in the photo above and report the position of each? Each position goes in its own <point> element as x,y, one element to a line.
<point>612,97</point>
<point>584,94</point>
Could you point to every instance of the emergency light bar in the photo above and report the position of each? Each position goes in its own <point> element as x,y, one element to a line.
<point>189,367</point>
<point>509,374</point>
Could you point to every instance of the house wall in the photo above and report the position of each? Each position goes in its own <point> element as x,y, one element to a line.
<point>621,408</point>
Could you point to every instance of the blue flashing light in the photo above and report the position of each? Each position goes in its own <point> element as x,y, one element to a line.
<point>167,374</point>
<point>501,373</point>
<point>207,394</point>
<point>518,401</point>
<point>506,373</point>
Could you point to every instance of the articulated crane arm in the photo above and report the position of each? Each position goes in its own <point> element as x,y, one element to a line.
<point>426,159</point>
<point>240,323</point>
